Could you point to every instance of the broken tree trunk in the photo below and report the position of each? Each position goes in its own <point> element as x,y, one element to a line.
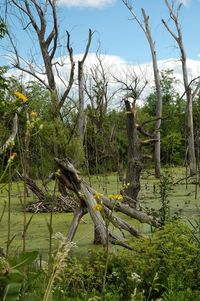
<point>70,177</point>
<point>101,208</point>
<point>134,156</point>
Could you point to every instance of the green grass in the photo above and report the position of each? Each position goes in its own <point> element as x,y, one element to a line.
<point>181,199</point>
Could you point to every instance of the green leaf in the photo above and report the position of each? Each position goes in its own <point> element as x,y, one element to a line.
<point>12,292</point>
<point>14,276</point>
<point>25,258</point>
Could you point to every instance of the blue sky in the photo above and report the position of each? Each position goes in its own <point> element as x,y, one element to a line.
<point>119,35</point>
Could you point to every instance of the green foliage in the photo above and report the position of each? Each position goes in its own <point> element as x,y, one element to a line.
<point>3,28</point>
<point>12,276</point>
<point>172,128</point>
<point>164,265</point>
<point>184,295</point>
<point>172,143</point>
<point>106,142</point>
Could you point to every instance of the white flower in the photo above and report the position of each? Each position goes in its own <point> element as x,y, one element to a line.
<point>136,278</point>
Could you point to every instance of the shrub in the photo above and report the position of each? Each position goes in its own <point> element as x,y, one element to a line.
<point>168,254</point>
<point>164,265</point>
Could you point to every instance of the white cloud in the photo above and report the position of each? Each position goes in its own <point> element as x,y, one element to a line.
<point>121,69</point>
<point>85,3</point>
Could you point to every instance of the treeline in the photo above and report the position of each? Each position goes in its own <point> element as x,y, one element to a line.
<point>104,148</point>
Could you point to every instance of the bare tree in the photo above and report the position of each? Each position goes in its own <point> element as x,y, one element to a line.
<point>81,123</point>
<point>135,156</point>
<point>35,17</point>
<point>145,26</point>
<point>41,18</point>
<point>177,35</point>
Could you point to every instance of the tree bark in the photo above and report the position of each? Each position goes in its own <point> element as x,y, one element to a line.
<point>78,214</point>
<point>189,96</point>
<point>156,73</point>
<point>81,119</point>
<point>147,31</point>
<point>134,157</point>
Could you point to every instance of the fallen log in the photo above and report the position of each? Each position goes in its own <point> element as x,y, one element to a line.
<point>46,202</point>
<point>101,209</point>
<point>70,177</point>
<point>139,215</point>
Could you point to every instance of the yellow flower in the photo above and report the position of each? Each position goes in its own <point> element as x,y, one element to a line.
<point>116,197</point>
<point>98,207</point>
<point>119,197</point>
<point>41,126</point>
<point>33,115</point>
<point>21,96</point>
<point>97,196</point>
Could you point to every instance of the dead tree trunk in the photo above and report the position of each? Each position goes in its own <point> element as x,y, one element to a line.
<point>81,119</point>
<point>174,15</point>
<point>134,157</point>
<point>145,26</point>
<point>158,94</point>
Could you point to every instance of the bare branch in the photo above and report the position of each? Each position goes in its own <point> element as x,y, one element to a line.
<point>130,8</point>
<point>87,46</point>
<point>143,131</point>
<point>71,77</point>
<point>54,32</point>
<point>170,31</point>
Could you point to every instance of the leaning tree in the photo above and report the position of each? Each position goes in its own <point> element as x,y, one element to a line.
<point>85,200</point>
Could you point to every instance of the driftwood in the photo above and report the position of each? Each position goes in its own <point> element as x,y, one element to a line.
<point>46,202</point>
<point>86,202</point>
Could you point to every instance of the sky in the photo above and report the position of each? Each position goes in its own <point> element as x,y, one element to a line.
<point>117,34</point>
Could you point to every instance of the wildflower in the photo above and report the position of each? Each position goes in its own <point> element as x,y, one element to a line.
<point>41,126</point>
<point>13,155</point>
<point>21,96</point>
<point>116,197</point>
<point>136,278</point>
<point>97,196</point>
<point>33,115</point>
<point>98,207</point>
